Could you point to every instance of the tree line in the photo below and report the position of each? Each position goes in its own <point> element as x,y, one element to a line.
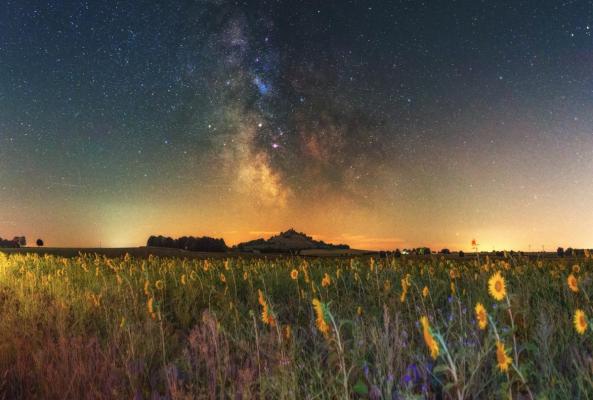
<point>17,241</point>
<point>190,243</point>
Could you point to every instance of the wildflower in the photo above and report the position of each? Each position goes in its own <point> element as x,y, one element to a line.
<point>429,339</point>
<point>481,316</point>
<point>287,332</point>
<point>580,321</point>
<point>320,321</point>
<point>502,358</point>
<point>497,287</point>
<point>359,311</point>
<point>122,322</point>
<point>193,275</point>
<point>576,269</point>
<point>183,281</point>
<point>326,281</point>
<point>573,283</point>
<point>425,291</point>
<point>222,278</point>
<point>159,284</point>
<point>294,274</point>
<point>245,275</point>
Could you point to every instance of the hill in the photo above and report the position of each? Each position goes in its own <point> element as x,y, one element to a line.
<point>285,242</point>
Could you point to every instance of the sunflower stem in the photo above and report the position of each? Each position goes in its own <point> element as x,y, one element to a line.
<point>341,353</point>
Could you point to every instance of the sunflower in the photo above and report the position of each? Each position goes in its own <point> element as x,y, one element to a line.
<point>497,287</point>
<point>405,285</point>
<point>425,291</point>
<point>294,274</point>
<point>573,283</point>
<point>502,358</point>
<point>453,273</point>
<point>159,284</point>
<point>266,316</point>
<point>429,339</point>
<point>193,275</point>
<point>326,281</point>
<point>222,278</point>
<point>580,321</point>
<point>150,308</point>
<point>481,316</point>
<point>287,332</point>
<point>320,319</point>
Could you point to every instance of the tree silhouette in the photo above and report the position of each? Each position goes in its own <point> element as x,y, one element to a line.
<point>39,242</point>
<point>21,240</point>
<point>188,243</point>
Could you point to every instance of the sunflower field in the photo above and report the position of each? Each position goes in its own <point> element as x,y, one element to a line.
<point>295,328</point>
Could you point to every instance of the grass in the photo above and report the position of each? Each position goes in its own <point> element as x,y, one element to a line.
<point>124,327</point>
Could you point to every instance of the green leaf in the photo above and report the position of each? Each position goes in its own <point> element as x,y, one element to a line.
<point>361,388</point>
<point>440,369</point>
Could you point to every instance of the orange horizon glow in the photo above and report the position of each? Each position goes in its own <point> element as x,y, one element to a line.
<point>134,238</point>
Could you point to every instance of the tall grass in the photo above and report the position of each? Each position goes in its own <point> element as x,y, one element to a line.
<point>97,327</point>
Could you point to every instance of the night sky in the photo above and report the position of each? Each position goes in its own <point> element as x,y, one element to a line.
<point>379,124</point>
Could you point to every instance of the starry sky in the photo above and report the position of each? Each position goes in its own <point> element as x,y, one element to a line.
<point>381,124</point>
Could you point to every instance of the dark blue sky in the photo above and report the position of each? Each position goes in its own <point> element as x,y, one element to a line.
<point>377,122</point>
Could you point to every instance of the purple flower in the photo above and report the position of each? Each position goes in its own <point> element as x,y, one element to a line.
<point>412,376</point>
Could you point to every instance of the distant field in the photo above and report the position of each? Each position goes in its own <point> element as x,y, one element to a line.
<point>143,252</point>
<point>100,326</point>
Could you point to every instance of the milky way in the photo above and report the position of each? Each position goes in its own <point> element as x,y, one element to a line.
<point>286,132</point>
<point>382,124</point>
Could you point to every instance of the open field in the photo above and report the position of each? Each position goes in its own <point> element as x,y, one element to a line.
<point>145,252</point>
<point>95,326</point>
